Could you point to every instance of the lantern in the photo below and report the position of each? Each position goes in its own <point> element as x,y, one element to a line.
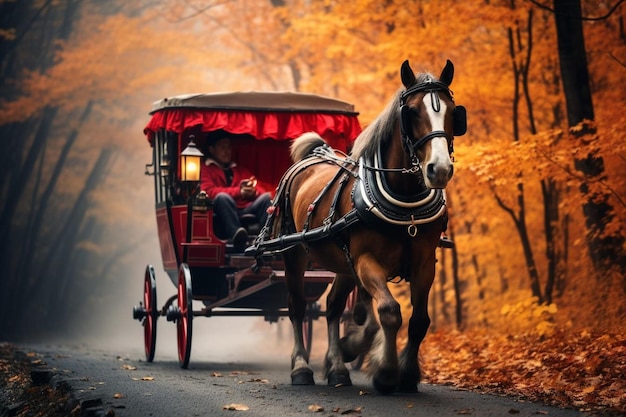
<point>190,160</point>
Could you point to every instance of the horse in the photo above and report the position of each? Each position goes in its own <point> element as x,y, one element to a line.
<point>371,216</point>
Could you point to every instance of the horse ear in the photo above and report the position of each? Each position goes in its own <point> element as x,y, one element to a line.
<point>447,73</point>
<point>406,74</point>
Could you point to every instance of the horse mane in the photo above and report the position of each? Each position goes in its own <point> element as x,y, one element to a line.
<point>382,127</point>
<point>304,144</point>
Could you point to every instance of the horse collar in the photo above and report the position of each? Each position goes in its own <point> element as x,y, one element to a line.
<point>377,205</point>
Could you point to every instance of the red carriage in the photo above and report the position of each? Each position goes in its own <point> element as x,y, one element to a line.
<point>200,265</point>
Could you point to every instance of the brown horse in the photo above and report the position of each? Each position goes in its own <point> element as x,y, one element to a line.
<point>371,217</point>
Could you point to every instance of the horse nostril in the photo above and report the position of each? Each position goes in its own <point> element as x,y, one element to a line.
<point>430,171</point>
<point>435,173</point>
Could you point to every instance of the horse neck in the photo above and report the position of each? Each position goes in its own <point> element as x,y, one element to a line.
<point>394,157</point>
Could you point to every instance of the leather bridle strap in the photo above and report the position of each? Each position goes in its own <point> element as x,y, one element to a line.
<point>432,135</point>
<point>429,85</point>
<point>411,144</point>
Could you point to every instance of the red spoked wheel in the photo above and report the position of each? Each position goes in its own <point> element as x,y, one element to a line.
<point>184,322</point>
<point>151,313</point>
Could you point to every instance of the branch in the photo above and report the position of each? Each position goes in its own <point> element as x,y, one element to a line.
<point>199,10</point>
<point>501,203</point>
<point>32,21</point>
<point>617,59</point>
<point>551,10</point>
<point>581,178</point>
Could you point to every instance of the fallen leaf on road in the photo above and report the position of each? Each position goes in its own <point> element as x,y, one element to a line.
<point>129,367</point>
<point>144,378</point>
<point>236,407</point>
<point>118,395</point>
<point>264,381</point>
<point>353,410</point>
<point>216,375</point>
<point>316,408</point>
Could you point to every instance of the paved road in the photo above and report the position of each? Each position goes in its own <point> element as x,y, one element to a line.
<point>253,376</point>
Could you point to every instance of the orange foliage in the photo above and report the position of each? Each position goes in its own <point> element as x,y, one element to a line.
<point>353,51</point>
<point>582,370</point>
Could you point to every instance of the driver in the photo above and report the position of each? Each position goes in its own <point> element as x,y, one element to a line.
<point>233,189</point>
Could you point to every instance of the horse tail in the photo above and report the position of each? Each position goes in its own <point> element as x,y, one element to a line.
<point>304,144</point>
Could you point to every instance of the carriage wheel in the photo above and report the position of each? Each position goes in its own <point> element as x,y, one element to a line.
<point>184,322</point>
<point>151,313</point>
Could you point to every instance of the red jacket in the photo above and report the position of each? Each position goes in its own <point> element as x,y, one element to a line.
<point>213,181</point>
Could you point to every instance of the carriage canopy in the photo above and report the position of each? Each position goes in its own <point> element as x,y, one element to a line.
<point>262,124</point>
<point>261,115</point>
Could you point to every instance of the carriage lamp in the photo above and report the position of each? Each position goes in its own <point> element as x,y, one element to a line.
<point>190,159</point>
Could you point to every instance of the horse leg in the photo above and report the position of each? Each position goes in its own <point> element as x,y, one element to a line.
<point>295,265</point>
<point>419,322</point>
<point>383,364</point>
<point>360,337</point>
<point>334,368</point>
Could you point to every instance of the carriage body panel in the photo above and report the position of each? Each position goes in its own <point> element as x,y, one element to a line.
<point>200,265</point>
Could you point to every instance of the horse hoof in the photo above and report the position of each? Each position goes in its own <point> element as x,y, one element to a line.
<point>386,382</point>
<point>339,378</point>
<point>302,377</point>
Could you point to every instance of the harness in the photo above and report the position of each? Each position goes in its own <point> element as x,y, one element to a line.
<point>378,206</point>
<point>373,202</point>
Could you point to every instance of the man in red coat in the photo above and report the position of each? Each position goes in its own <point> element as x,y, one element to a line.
<point>234,191</point>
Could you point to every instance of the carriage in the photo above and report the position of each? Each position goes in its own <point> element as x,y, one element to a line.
<point>203,267</point>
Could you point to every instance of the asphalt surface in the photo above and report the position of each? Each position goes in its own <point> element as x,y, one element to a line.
<point>227,376</point>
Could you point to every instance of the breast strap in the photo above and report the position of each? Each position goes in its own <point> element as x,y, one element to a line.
<point>376,204</point>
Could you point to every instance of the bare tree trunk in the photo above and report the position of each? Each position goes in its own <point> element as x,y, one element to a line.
<point>520,73</point>
<point>519,219</point>
<point>605,251</point>
<point>456,282</point>
<point>443,278</point>
<point>40,295</point>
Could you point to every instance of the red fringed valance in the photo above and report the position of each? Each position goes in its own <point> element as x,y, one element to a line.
<point>338,129</point>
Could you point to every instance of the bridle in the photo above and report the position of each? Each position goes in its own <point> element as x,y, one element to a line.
<point>409,143</point>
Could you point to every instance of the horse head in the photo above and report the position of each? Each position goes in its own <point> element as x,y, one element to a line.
<point>429,120</point>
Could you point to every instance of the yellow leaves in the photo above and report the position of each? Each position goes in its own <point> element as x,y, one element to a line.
<point>544,328</point>
<point>236,407</point>
<point>527,314</point>
<point>316,408</point>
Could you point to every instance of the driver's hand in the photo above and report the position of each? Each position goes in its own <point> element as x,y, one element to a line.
<point>247,192</point>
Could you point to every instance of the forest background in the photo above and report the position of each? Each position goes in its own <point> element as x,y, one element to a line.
<point>537,206</point>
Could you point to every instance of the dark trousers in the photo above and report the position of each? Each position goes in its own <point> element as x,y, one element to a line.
<point>226,220</point>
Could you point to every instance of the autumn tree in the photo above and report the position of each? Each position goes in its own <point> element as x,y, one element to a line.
<point>606,248</point>
<point>78,78</point>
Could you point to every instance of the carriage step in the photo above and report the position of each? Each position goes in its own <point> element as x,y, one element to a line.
<point>310,276</point>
